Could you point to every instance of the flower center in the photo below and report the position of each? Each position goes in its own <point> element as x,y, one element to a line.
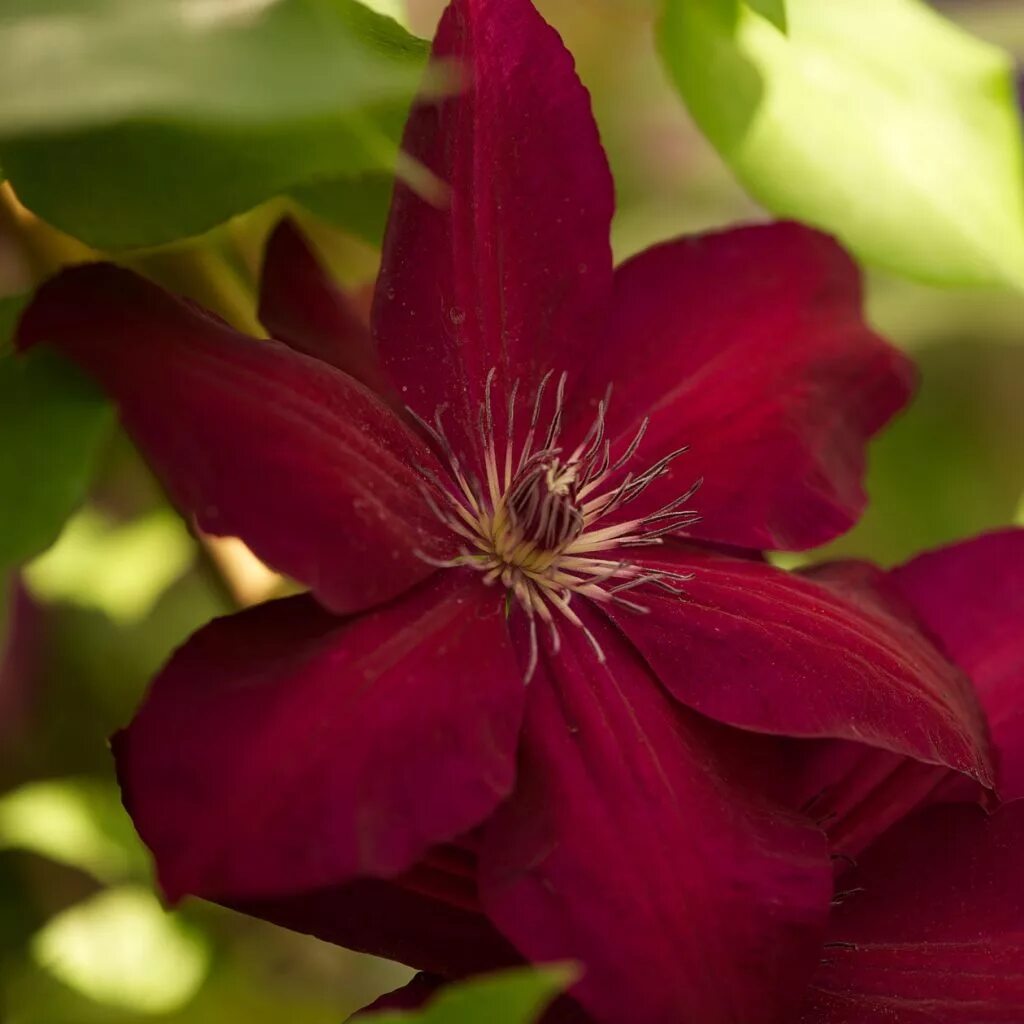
<point>538,522</point>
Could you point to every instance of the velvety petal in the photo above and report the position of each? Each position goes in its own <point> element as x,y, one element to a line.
<point>750,347</point>
<point>971,596</point>
<point>934,931</point>
<point>301,305</point>
<point>251,439</point>
<point>282,750</point>
<point>509,265</point>
<point>778,652</point>
<point>627,847</point>
<point>429,917</point>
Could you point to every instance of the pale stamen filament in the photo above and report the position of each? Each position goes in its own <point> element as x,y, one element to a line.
<point>531,525</point>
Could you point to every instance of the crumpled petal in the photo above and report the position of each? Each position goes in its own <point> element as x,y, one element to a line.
<point>628,847</point>
<point>282,750</point>
<point>251,439</point>
<point>778,652</point>
<point>971,596</point>
<point>301,305</point>
<point>750,346</point>
<point>933,930</point>
<point>509,265</point>
<point>856,793</point>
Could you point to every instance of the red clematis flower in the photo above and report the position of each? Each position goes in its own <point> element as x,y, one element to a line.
<point>502,725</point>
<point>927,923</point>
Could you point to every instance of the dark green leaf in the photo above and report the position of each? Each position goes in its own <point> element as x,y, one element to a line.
<point>773,10</point>
<point>888,126</point>
<point>52,423</point>
<point>512,997</point>
<point>10,309</point>
<point>134,124</point>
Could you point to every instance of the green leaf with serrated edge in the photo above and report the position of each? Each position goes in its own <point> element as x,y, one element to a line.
<point>884,124</point>
<point>517,996</point>
<point>53,421</point>
<point>230,102</point>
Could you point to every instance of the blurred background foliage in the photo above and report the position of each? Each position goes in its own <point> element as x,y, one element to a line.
<point>84,624</point>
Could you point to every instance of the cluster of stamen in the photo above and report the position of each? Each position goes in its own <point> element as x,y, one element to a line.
<point>536,522</point>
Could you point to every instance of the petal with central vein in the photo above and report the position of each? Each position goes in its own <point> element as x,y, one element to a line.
<point>252,439</point>
<point>509,267</point>
<point>629,847</point>
<point>750,347</point>
<point>283,750</point>
<point>778,652</point>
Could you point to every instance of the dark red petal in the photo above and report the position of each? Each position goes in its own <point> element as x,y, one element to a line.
<point>510,266</point>
<point>299,460</point>
<point>855,792</point>
<point>628,848</point>
<point>301,305</point>
<point>429,917</point>
<point>933,932</point>
<point>750,347</point>
<point>971,596</point>
<point>778,652</point>
<point>282,750</point>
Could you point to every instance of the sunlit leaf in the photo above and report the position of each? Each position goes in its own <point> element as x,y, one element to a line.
<point>886,125</point>
<point>511,997</point>
<point>121,948</point>
<point>77,822</point>
<point>133,124</point>
<point>120,570</point>
<point>392,8</point>
<point>773,10</point>
<point>52,423</point>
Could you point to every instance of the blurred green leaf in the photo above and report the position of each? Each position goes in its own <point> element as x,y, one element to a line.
<point>359,205</point>
<point>119,569</point>
<point>886,125</point>
<point>78,822</point>
<point>952,465</point>
<point>123,949</point>
<point>516,996</point>
<point>134,124</point>
<point>52,423</point>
